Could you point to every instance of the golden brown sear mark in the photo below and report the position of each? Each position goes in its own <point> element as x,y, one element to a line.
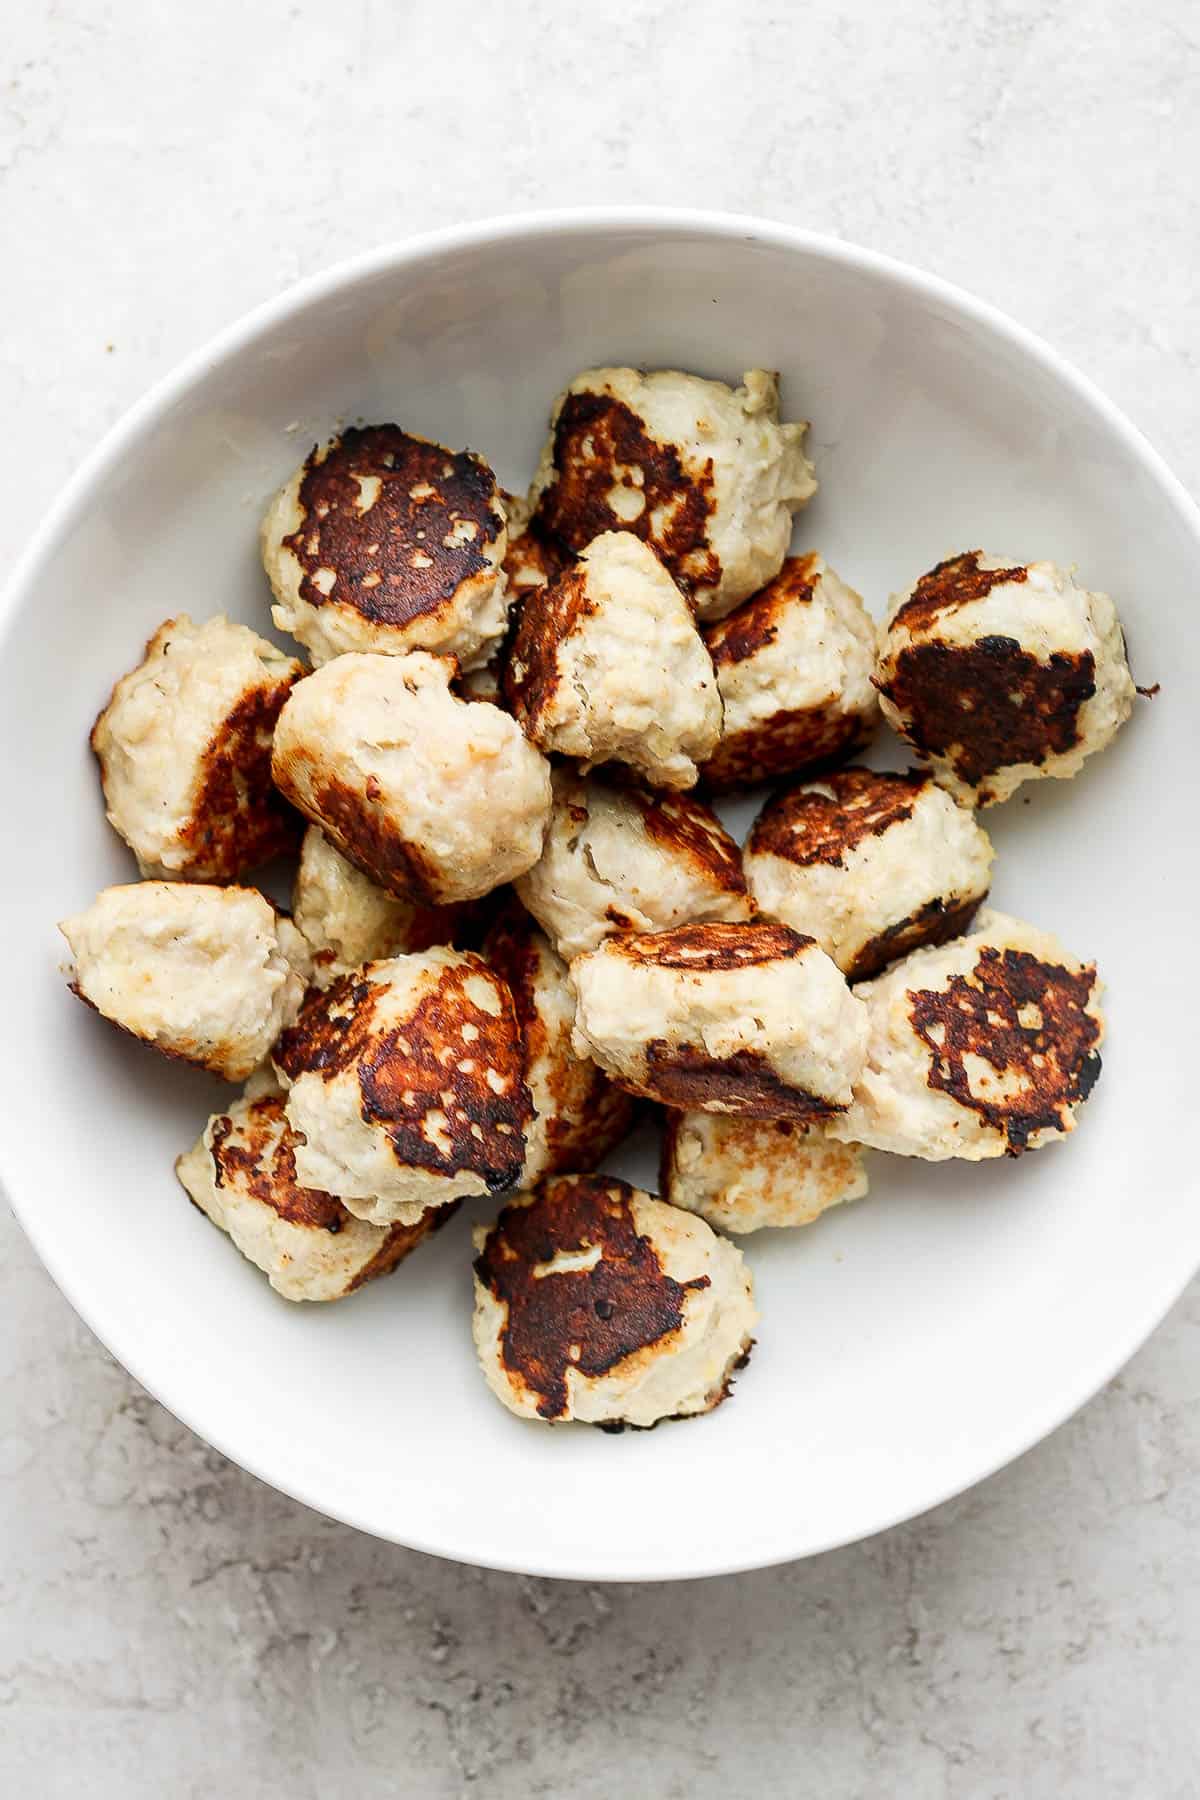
<point>712,947</point>
<point>802,738</point>
<point>806,827</point>
<point>589,1319</point>
<point>990,704</point>
<point>934,923</point>
<point>548,615</point>
<point>754,624</point>
<point>240,819</point>
<point>1026,1019</point>
<point>365,833</point>
<point>686,1076</point>
<point>259,1155</point>
<point>953,583</point>
<point>401,522</point>
<point>683,825</point>
<point>600,444</point>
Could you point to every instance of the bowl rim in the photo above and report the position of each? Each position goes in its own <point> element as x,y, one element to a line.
<point>241,333</point>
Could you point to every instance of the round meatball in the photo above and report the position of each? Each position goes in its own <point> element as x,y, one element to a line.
<point>999,673</point>
<point>983,1047</point>
<point>207,974</point>
<point>578,1113</point>
<point>384,541</point>
<point>607,665</point>
<point>749,1019</point>
<point>871,865</point>
<point>794,667</point>
<point>626,859</point>
<point>596,1302</point>
<point>184,747</point>
<point>434,798</point>
<point>406,1084</point>
<point>704,473</point>
<point>242,1174</point>
<point>744,1174</point>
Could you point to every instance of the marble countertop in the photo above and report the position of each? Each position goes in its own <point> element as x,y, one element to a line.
<point>168,1626</point>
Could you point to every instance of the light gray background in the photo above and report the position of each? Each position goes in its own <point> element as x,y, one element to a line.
<point>167,1625</point>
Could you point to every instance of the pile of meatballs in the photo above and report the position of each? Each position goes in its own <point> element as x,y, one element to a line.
<point>517,923</point>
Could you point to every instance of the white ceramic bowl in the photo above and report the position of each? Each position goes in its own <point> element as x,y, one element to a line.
<point>910,1344</point>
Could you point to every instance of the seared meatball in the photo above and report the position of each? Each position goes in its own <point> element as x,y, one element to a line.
<point>406,1084</point>
<point>984,1047</point>
<point>184,747</point>
<point>871,865</point>
<point>606,665</point>
<point>794,668</point>
<point>207,974</point>
<point>999,673</point>
<point>384,541</point>
<point>578,1114</point>
<point>744,1174</point>
<point>749,1019</point>
<point>596,1302</point>
<point>626,859</point>
<point>704,473</point>
<point>532,560</point>
<point>242,1173</point>
<point>435,799</point>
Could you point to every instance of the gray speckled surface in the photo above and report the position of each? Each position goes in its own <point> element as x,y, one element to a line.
<point>169,1626</point>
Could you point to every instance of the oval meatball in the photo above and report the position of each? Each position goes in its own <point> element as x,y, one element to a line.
<point>703,473</point>
<point>871,865</point>
<point>384,541</point>
<point>184,747</point>
<point>626,859</point>
<point>746,1174</point>
<point>242,1175</point>
<point>207,974</point>
<point>987,1046</point>
<point>596,1302</point>
<point>607,665</point>
<point>999,673</point>
<point>794,667</point>
<point>751,1019</point>
<point>406,1083</point>
<point>436,799</point>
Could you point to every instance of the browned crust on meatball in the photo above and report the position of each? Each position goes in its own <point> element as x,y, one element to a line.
<point>599,442</point>
<point>401,1241</point>
<point>532,561</point>
<point>796,739</point>
<point>240,819</point>
<point>805,827</point>
<point>355,823</point>
<point>688,829</point>
<point>1024,1018</point>
<point>988,705</point>
<point>708,948</point>
<point>438,1060</point>
<point>608,1118</point>
<point>585,1319</point>
<point>951,584</point>
<point>257,1156</point>
<point>549,615</point>
<point>936,922</point>
<point>754,625</point>
<point>687,1077</point>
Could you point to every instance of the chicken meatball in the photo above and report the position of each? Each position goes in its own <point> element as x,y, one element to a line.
<point>406,1086</point>
<point>242,1174</point>
<point>437,800</point>
<point>184,747</point>
<point>626,859</point>
<point>596,1302</point>
<point>384,541</point>
<point>751,1019</point>
<point>578,1114</point>
<point>794,667</point>
<point>871,865</point>
<point>744,1174</point>
<point>703,473</point>
<point>207,974</point>
<point>987,1046</point>
<point>607,665</point>
<point>999,673</point>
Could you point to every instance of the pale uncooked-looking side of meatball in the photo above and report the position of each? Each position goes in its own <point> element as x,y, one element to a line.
<point>750,1019</point>
<point>607,665</point>
<point>184,747</point>
<point>210,975</point>
<point>242,1175</point>
<point>628,859</point>
<point>348,920</point>
<point>999,673</point>
<point>596,1302</point>
<point>744,1175</point>
<point>386,542</point>
<point>705,473</point>
<point>436,799</point>
<point>794,667</point>
<point>987,1046</point>
<point>872,865</point>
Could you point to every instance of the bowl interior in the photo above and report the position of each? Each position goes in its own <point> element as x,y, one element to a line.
<point>909,1343</point>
